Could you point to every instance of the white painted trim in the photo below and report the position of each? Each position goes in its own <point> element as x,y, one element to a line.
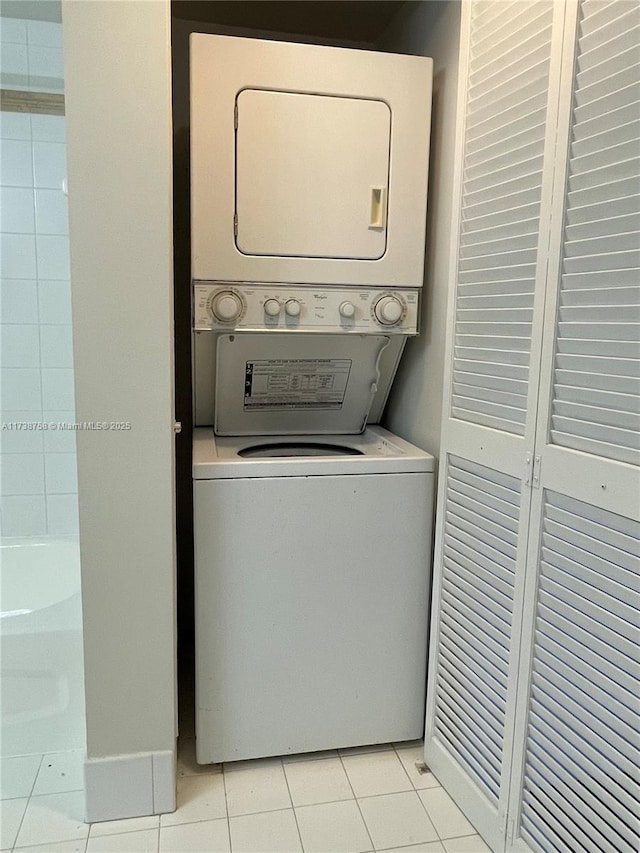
<point>124,786</point>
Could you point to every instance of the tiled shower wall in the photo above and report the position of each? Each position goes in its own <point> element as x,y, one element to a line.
<point>38,481</point>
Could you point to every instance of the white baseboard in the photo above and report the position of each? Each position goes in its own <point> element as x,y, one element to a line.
<point>135,785</point>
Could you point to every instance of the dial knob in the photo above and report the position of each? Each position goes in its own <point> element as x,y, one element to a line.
<point>271,307</point>
<point>347,309</point>
<point>226,306</point>
<point>292,307</point>
<point>388,310</point>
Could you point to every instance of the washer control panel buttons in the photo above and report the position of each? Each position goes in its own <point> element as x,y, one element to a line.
<point>226,306</point>
<point>292,308</point>
<point>389,310</point>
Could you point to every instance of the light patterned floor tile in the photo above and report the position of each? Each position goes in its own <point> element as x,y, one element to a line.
<point>59,772</point>
<point>206,836</point>
<point>130,842</point>
<point>199,798</point>
<point>466,844</point>
<point>11,814</point>
<point>17,776</point>
<point>410,756</point>
<point>445,814</point>
<point>130,824</point>
<point>333,828</point>
<point>53,817</point>
<point>376,773</point>
<point>269,832</point>
<point>431,847</point>
<point>394,820</point>
<point>317,782</point>
<point>260,789</point>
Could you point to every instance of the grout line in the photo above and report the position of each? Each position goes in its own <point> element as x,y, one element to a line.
<point>357,804</point>
<point>295,816</point>
<point>35,779</point>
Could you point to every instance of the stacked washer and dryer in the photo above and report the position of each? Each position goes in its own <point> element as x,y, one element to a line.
<point>312,524</point>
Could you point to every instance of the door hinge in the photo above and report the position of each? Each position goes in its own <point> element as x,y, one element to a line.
<point>235,224</point>
<point>177,427</point>
<point>511,831</point>
<point>528,460</point>
<point>537,468</point>
<point>235,117</point>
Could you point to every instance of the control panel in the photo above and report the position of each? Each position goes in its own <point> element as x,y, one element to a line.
<point>234,306</point>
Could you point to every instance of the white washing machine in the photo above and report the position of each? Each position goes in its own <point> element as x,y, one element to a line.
<point>312,528</point>
<point>312,562</point>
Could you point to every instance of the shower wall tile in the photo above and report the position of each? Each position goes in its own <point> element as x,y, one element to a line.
<point>21,390</point>
<point>53,257</point>
<point>13,31</point>
<point>22,473</point>
<point>17,210</point>
<point>60,440</point>
<point>46,128</point>
<point>19,346</point>
<point>15,125</point>
<point>18,256</point>
<point>44,33</point>
<point>14,440</point>
<point>57,389</point>
<point>52,215</point>
<point>23,515</point>
<point>45,63</point>
<point>16,166</point>
<point>49,164</point>
<point>39,480</point>
<point>56,346</point>
<point>54,301</point>
<point>18,301</point>
<point>62,514</point>
<point>61,473</point>
<point>15,67</point>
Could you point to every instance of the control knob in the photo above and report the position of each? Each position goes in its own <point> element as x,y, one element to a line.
<point>226,306</point>
<point>271,307</point>
<point>388,310</point>
<point>292,308</point>
<point>347,309</point>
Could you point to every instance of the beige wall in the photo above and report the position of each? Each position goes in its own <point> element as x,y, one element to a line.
<point>118,101</point>
<point>415,404</point>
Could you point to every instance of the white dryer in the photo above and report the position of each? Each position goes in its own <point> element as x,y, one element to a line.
<point>312,558</point>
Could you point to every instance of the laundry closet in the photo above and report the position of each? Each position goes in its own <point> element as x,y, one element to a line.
<point>312,525</point>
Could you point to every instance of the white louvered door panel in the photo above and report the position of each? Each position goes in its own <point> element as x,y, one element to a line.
<point>509,90</point>
<point>576,779</point>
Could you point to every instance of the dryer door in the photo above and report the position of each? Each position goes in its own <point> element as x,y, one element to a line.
<point>311,175</point>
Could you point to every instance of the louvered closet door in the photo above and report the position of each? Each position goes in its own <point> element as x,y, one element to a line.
<point>508,103</point>
<point>577,780</point>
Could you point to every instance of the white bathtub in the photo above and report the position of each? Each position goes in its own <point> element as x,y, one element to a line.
<point>41,646</point>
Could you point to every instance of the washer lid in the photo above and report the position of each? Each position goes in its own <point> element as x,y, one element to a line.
<point>270,384</point>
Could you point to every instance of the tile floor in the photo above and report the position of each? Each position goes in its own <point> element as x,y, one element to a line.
<point>346,801</point>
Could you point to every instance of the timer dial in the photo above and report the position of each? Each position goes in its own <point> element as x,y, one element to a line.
<point>388,310</point>
<point>271,307</point>
<point>226,306</point>
<point>292,308</point>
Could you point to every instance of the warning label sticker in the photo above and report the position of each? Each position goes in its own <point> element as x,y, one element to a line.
<point>296,383</point>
